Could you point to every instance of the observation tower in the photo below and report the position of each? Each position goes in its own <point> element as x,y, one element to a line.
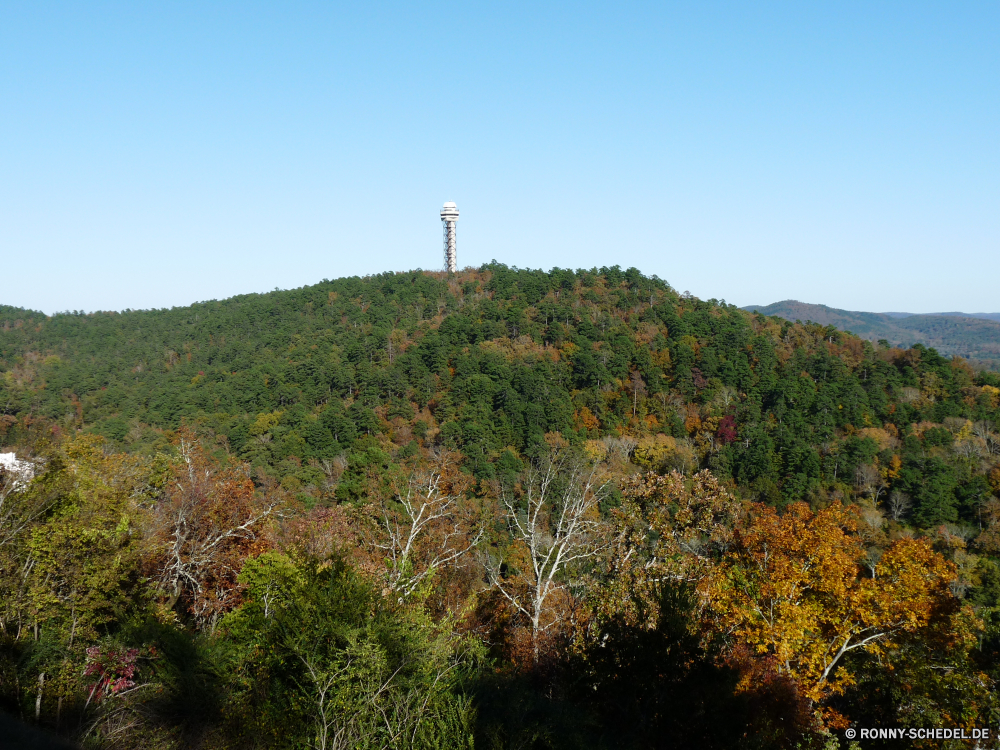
<point>449,215</point>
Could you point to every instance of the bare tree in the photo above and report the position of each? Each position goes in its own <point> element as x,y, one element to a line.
<point>726,397</point>
<point>428,525</point>
<point>554,518</point>
<point>984,431</point>
<point>333,469</point>
<point>203,529</point>
<point>899,504</point>
<point>620,448</point>
<point>869,480</point>
<point>971,448</point>
<point>870,524</point>
<point>871,558</point>
<point>638,387</point>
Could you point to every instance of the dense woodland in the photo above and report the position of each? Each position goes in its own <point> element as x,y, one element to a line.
<point>495,509</point>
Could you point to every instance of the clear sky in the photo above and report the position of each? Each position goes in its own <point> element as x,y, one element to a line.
<point>845,153</point>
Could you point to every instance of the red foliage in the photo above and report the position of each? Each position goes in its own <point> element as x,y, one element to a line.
<point>726,432</point>
<point>113,668</point>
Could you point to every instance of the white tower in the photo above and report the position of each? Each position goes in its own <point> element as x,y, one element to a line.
<point>449,215</point>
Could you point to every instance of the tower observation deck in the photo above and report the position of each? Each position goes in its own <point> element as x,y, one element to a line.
<point>449,215</point>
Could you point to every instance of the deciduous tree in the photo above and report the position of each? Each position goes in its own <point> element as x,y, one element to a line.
<point>553,516</point>
<point>670,529</point>
<point>427,525</point>
<point>210,519</point>
<point>791,588</point>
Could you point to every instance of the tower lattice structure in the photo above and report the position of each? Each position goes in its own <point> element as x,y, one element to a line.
<point>449,216</point>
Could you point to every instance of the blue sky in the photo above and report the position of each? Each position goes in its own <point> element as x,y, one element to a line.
<point>842,153</point>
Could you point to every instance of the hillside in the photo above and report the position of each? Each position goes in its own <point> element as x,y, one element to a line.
<point>497,508</point>
<point>485,360</point>
<point>975,337</point>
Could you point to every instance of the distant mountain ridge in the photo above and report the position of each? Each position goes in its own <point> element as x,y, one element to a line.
<point>974,336</point>
<point>984,316</point>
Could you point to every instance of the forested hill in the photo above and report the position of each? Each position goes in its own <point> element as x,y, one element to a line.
<point>973,336</point>
<point>489,361</point>
<point>500,508</point>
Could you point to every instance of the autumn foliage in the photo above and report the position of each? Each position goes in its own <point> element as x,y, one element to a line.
<point>792,587</point>
<point>503,508</point>
<point>788,594</point>
<point>209,521</point>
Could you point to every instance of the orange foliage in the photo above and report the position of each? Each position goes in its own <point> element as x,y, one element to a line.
<point>585,418</point>
<point>693,422</point>
<point>994,478</point>
<point>792,589</point>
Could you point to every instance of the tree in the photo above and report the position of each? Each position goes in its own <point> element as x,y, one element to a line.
<point>935,495</point>
<point>209,521</point>
<point>21,504</point>
<point>791,587</point>
<point>670,530</point>
<point>319,659</point>
<point>553,516</point>
<point>80,568</point>
<point>638,387</point>
<point>652,677</point>
<point>899,504</point>
<point>428,524</point>
<point>869,479</point>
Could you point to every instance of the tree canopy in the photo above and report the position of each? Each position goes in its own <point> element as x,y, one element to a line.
<point>424,509</point>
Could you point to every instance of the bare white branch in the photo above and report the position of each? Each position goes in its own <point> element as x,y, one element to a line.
<point>554,515</point>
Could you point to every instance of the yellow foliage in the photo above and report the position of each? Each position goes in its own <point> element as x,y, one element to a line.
<point>595,450</point>
<point>264,422</point>
<point>932,387</point>
<point>994,478</point>
<point>881,437</point>
<point>791,589</point>
<point>653,451</point>
<point>965,432</point>
<point>662,359</point>
<point>993,393</point>
<point>692,342</point>
<point>585,418</point>
<point>693,422</point>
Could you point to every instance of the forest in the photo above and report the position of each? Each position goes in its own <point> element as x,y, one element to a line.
<point>973,336</point>
<point>501,508</point>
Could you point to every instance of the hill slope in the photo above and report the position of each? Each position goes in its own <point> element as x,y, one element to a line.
<point>974,337</point>
<point>384,407</point>
<point>489,362</point>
